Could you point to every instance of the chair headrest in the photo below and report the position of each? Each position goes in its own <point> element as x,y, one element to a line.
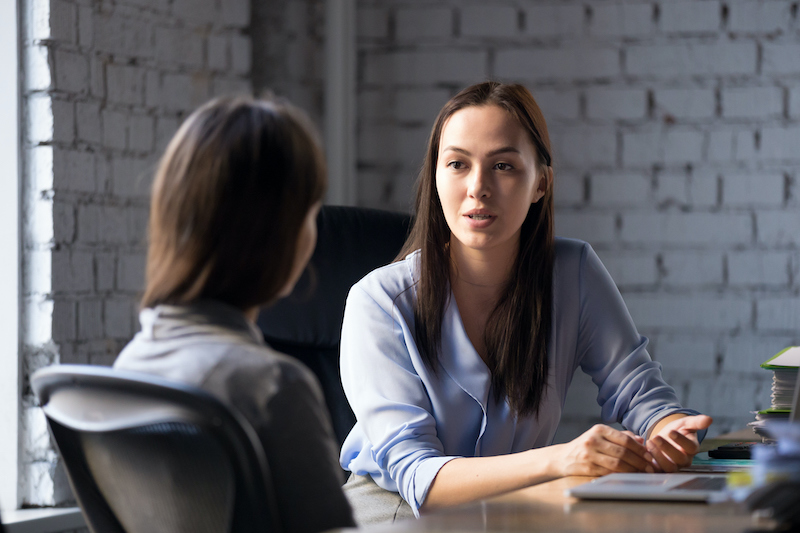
<point>351,242</point>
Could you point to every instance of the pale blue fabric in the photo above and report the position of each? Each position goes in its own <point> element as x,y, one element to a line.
<point>410,421</point>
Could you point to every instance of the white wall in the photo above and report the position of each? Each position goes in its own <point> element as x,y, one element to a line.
<point>105,87</point>
<point>676,131</point>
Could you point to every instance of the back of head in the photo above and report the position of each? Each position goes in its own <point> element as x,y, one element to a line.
<point>228,201</point>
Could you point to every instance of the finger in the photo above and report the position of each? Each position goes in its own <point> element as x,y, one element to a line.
<point>625,439</point>
<point>674,454</point>
<point>663,462</point>
<point>688,443</point>
<point>635,444</point>
<point>624,459</point>
<point>615,464</point>
<point>634,436</point>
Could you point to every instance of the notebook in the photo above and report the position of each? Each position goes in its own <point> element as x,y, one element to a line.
<point>698,487</point>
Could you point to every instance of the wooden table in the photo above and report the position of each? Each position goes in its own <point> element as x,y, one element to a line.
<point>545,508</point>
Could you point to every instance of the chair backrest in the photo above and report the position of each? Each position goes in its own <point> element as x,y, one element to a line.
<point>351,242</point>
<point>147,455</point>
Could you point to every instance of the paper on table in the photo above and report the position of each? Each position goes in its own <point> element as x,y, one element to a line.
<point>789,357</point>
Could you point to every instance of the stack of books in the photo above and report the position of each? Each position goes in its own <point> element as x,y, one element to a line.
<point>784,366</point>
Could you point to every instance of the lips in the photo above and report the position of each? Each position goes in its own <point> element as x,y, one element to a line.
<point>479,214</point>
<point>479,218</point>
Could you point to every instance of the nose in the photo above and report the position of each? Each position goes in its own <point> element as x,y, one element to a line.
<point>479,183</point>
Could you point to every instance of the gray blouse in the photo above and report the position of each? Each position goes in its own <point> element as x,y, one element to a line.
<point>213,346</point>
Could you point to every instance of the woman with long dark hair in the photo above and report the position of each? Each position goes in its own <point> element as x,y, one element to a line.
<point>232,226</point>
<point>456,358</point>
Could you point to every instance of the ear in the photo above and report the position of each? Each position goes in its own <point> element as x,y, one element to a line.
<point>545,182</point>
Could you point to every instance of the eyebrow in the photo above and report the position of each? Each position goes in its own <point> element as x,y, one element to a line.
<point>502,150</point>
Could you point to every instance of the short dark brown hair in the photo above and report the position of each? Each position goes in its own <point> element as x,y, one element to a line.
<point>228,201</point>
<point>518,329</point>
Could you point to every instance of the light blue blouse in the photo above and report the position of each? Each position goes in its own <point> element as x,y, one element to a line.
<point>410,421</point>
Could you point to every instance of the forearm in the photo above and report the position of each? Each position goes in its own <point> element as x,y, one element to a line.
<point>656,429</point>
<point>468,479</point>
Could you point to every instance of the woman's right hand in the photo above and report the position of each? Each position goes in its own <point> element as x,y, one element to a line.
<point>602,450</point>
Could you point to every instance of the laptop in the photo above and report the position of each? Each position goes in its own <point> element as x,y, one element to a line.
<point>681,486</point>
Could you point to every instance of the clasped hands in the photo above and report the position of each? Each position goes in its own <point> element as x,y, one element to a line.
<point>603,450</point>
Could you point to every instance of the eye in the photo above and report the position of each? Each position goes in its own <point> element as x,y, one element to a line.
<point>455,165</point>
<point>503,166</point>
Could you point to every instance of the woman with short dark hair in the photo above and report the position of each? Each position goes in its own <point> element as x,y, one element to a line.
<point>457,358</point>
<point>232,226</point>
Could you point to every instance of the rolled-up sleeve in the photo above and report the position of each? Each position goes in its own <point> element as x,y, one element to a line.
<point>380,368</point>
<point>610,349</point>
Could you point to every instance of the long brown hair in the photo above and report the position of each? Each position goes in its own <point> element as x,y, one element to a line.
<point>229,198</point>
<point>518,329</point>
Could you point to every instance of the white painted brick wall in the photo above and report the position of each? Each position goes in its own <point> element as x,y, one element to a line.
<point>760,189</point>
<point>687,313</point>
<point>794,102</point>
<point>496,21</point>
<point>752,102</point>
<point>622,20</point>
<point>780,143</point>
<point>687,229</point>
<point>759,17</point>
<point>619,188</point>
<point>690,17</point>
<point>694,354</point>
<point>781,58</point>
<point>675,128</point>
<point>584,145</point>
<point>671,189</point>
<point>778,314</point>
<point>415,23</point>
<point>105,87</point>
<point>616,103</point>
<point>668,61</point>
<point>561,63</point>
<point>759,268</point>
<point>686,103</point>
<point>631,269</point>
<point>424,67</point>
<point>560,104</point>
<point>778,228</point>
<point>560,21</point>
<point>692,269</point>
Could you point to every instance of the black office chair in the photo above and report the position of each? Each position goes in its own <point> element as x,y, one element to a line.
<point>147,455</point>
<point>351,242</point>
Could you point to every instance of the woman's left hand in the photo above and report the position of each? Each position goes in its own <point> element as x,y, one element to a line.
<point>675,443</point>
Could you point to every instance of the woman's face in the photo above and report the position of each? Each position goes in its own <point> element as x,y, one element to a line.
<point>306,241</point>
<point>487,178</point>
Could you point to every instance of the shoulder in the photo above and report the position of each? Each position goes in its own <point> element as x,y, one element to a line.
<point>571,253</point>
<point>263,371</point>
<point>387,284</point>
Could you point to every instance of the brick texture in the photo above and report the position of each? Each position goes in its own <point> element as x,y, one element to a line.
<point>675,127</point>
<point>116,81</point>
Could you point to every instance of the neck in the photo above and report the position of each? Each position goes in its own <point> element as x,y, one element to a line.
<point>485,270</point>
<point>252,314</point>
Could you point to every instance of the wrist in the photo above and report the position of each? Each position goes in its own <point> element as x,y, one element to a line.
<point>552,460</point>
<point>656,428</point>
